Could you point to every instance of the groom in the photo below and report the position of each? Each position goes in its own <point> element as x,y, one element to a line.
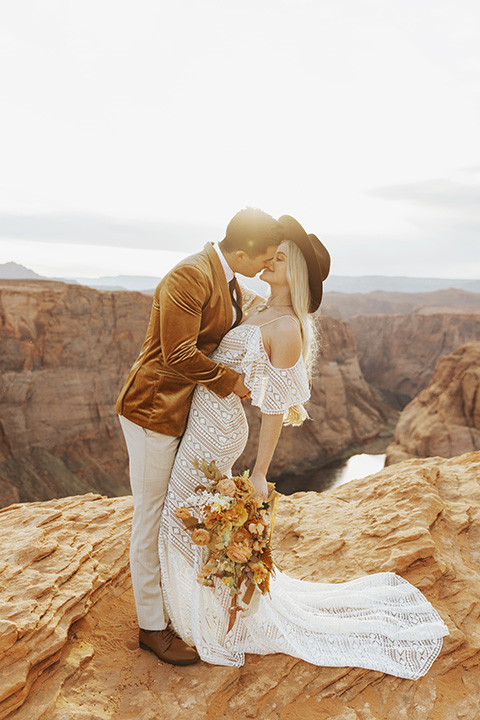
<point>194,306</point>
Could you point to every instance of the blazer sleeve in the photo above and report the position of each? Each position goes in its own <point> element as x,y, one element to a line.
<point>182,298</point>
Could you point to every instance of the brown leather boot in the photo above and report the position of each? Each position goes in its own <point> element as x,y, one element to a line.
<point>167,646</point>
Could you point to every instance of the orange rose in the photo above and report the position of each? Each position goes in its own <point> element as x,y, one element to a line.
<point>241,535</point>
<point>227,487</point>
<point>245,487</point>
<point>239,552</point>
<point>200,536</point>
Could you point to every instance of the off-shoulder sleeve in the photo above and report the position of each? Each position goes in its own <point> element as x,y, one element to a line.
<point>274,390</point>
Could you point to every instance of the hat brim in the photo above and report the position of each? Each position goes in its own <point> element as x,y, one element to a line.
<point>316,256</point>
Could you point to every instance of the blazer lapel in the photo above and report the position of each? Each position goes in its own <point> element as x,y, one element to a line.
<point>221,280</point>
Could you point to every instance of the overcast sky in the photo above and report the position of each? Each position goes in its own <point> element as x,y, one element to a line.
<point>133,128</point>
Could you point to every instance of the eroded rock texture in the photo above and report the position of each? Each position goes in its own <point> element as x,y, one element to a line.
<point>398,353</point>
<point>444,419</point>
<point>65,351</point>
<point>68,633</point>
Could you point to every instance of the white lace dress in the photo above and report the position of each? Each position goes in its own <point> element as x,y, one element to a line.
<point>378,622</point>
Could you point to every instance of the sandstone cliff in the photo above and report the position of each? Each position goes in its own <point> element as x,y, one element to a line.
<point>444,419</point>
<point>398,353</point>
<point>65,351</point>
<point>68,633</point>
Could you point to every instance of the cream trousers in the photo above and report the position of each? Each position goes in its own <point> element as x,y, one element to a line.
<point>151,457</point>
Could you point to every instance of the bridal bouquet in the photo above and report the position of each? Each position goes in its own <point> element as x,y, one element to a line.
<point>232,522</point>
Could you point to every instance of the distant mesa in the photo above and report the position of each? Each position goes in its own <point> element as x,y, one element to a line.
<point>136,283</point>
<point>369,283</point>
<point>338,289</point>
<point>14,271</point>
<point>140,283</point>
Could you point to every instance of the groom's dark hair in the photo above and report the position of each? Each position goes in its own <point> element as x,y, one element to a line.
<point>252,231</point>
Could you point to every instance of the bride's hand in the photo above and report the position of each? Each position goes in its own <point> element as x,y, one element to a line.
<point>240,389</point>
<point>259,482</point>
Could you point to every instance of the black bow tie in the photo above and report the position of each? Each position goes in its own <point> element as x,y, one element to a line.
<point>234,286</point>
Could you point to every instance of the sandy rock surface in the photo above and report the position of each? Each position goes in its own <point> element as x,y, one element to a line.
<point>68,635</point>
<point>399,353</point>
<point>444,419</point>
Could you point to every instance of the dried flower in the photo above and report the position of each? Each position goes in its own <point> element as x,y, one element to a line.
<point>183,513</point>
<point>200,536</point>
<point>239,552</point>
<point>245,488</point>
<point>227,486</point>
<point>237,514</point>
<point>256,528</point>
<point>264,516</point>
<point>261,573</point>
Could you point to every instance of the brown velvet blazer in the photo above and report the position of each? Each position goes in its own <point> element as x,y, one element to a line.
<point>191,312</point>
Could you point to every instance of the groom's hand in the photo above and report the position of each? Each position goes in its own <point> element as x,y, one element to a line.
<point>240,389</point>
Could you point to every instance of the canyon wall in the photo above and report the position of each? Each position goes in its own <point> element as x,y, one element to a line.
<point>443,419</point>
<point>68,635</point>
<point>398,353</point>
<point>65,351</point>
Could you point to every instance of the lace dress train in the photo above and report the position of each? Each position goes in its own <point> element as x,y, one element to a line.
<point>379,622</point>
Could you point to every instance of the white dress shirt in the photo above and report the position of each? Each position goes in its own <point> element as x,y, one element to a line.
<point>229,274</point>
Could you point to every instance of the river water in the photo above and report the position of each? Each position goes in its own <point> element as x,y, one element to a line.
<point>332,475</point>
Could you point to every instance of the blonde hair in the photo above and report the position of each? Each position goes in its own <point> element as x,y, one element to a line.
<point>297,278</point>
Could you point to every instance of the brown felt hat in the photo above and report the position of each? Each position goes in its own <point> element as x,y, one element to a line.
<point>316,256</point>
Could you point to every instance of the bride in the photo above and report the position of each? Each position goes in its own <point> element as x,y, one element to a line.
<point>378,622</point>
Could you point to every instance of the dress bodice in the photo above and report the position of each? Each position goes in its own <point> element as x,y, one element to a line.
<point>274,390</point>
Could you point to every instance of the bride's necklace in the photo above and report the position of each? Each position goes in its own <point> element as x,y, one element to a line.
<point>267,306</point>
